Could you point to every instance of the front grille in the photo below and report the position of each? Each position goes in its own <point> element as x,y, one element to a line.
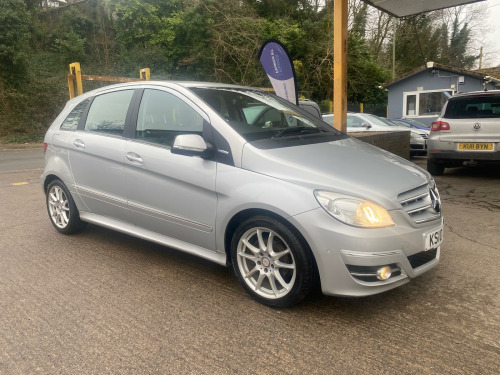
<point>419,259</point>
<point>418,204</point>
<point>424,136</point>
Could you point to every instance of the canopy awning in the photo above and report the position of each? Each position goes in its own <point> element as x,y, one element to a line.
<point>402,8</point>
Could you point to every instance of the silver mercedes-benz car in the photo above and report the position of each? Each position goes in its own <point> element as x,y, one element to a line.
<point>242,178</point>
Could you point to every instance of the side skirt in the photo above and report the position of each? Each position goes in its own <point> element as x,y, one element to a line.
<point>135,231</point>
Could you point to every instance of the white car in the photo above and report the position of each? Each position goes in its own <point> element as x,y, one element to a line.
<point>362,122</point>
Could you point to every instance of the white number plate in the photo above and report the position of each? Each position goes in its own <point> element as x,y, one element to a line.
<point>434,239</point>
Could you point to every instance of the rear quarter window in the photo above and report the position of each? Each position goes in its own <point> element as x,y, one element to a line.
<point>71,122</point>
<point>479,106</point>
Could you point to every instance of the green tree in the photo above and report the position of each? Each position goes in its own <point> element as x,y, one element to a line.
<point>298,10</point>
<point>416,43</point>
<point>364,75</point>
<point>172,34</point>
<point>14,26</point>
<point>359,21</point>
<point>71,48</point>
<point>455,53</point>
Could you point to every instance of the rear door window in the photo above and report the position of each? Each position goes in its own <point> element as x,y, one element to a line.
<point>108,112</point>
<point>478,106</point>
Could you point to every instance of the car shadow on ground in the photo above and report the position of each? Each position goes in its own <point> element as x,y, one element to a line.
<point>166,263</point>
<point>480,170</point>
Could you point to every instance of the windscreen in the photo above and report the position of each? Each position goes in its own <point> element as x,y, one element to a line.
<point>417,123</point>
<point>379,120</point>
<point>257,115</point>
<point>401,123</point>
<point>478,106</point>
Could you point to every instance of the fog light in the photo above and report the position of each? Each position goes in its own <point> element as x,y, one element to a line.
<point>384,273</point>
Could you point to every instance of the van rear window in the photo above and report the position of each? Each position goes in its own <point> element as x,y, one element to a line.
<point>480,106</point>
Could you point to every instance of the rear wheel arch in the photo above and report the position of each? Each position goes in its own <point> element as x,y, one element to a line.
<point>48,179</point>
<point>61,207</point>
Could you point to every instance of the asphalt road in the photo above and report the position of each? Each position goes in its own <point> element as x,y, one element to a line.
<point>18,157</point>
<point>105,303</point>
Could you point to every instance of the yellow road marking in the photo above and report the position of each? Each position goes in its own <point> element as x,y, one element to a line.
<point>19,183</point>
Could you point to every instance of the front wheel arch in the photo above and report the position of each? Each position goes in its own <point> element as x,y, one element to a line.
<point>307,276</point>
<point>248,213</point>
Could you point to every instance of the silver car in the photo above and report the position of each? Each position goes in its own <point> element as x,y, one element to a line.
<point>466,132</point>
<point>242,178</point>
<point>418,135</point>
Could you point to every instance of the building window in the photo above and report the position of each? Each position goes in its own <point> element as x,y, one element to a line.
<point>430,103</point>
<point>425,103</point>
<point>411,105</point>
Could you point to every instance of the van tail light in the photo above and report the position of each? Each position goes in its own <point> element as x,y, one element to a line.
<point>439,125</point>
<point>45,145</point>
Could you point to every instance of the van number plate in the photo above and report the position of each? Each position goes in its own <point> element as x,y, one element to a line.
<point>475,146</point>
<point>434,239</point>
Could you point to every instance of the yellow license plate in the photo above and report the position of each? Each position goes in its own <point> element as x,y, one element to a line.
<point>475,146</point>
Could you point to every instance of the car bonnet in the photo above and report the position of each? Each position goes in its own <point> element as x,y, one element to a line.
<point>346,166</point>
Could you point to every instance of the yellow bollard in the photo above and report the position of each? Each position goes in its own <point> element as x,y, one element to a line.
<point>75,80</point>
<point>144,74</point>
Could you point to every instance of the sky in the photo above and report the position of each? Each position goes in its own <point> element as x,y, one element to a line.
<point>493,14</point>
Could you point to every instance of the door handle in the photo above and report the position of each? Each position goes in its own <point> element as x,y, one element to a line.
<point>133,157</point>
<point>79,143</point>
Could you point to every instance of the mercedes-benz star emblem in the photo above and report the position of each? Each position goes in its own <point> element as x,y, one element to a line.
<point>477,126</point>
<point>435,200</point>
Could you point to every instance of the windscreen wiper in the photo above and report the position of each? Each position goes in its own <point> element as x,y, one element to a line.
<point>296,130</point>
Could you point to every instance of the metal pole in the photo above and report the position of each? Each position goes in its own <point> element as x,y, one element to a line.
<point>393,48</point>
<point>481,58</point>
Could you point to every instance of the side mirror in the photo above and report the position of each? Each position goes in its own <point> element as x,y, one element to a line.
<point>366,125</point>
<point>191,145</point>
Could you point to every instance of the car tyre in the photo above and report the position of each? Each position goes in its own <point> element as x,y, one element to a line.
<point>62,210</point>
<point>272,262</point>
<point>434,168</point>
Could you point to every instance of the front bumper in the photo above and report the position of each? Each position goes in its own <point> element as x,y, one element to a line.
<point>418,146</point>
<point>343,253</point>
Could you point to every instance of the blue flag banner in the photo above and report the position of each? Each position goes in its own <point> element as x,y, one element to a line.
<point>278,66</point>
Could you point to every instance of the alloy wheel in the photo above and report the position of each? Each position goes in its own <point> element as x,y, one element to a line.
<point>58,207</point>
<point>266,263</point>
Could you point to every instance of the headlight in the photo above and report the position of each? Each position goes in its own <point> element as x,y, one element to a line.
<point>354,211</point>
<point>415,135</point>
